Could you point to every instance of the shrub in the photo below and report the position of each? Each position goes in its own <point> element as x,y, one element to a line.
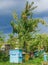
<point>3,56</point>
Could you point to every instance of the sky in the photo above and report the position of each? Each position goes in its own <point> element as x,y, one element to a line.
<point>8,6</point>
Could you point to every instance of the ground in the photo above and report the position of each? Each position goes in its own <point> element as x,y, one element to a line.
<point>35,61</point>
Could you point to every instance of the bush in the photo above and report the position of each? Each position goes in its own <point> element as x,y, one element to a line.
<point>3,56</point>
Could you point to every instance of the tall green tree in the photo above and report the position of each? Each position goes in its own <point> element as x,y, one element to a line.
<point>26,24</point>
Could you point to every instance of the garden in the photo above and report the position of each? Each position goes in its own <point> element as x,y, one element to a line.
<point>25,36</point>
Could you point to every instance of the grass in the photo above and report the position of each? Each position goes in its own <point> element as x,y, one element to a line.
<point>35,61</point>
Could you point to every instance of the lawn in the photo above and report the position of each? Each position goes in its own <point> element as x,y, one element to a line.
<point>35,61</point>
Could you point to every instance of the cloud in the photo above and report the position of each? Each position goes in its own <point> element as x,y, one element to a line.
<point>42,5</point>
<point>6,3</point>
<point>9,5</point>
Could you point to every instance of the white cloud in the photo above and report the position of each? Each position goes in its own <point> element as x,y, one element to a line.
<point>8,5</point>
<point>5,4</point>
<point>42,5</point>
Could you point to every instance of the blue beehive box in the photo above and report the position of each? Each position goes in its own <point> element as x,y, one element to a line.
<point>16,56</point>
<point>20,56</point>
<point>45,57</point>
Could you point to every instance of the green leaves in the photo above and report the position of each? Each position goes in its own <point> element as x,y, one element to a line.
<point>24,25</point>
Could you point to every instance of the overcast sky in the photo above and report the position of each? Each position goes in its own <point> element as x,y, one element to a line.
<point>8,6</point>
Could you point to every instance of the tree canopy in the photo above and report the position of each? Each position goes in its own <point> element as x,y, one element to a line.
<point>26,24</point>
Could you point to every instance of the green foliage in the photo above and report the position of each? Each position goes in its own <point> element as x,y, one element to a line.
<point>39,42</point>
<point>12,41</point>
<point>35,61</point>
<point>25,25</point>
<point>3,56</point>
<point>1,41</point>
